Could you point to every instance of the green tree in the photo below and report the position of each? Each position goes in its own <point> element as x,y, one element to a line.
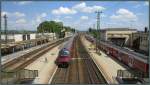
<point>54,27</point>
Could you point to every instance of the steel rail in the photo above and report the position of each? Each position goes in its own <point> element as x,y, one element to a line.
<point>94,73</point>
<point>28,58</point>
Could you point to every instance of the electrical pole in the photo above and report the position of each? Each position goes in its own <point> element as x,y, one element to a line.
<point>98,29</point>
<point>96,38</point>
<point>53,33</point>
<point>5,23</point>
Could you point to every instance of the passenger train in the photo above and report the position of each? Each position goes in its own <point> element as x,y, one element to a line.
<point>132,59</point>
<point>64,56</point>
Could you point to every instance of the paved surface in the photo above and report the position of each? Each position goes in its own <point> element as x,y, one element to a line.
<point>107,66</point>
<point>15,55</point>
<point>45,68</point>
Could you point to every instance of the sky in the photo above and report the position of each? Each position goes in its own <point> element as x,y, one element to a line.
<point>26,15</point>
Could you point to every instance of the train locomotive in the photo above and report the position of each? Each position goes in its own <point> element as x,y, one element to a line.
<point>64,57</point>
<point>132,59</point>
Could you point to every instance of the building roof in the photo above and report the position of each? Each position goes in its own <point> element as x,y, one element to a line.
<point>118,29</point>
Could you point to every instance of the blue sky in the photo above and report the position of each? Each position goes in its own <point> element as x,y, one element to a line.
<point>26,15</point>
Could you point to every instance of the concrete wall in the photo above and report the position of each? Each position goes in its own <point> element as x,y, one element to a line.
<point>144,40</point>
<point>18,37</point>
<point>50,36</point>
<point>105,35</point>
<point>32,36</point>
<point>67,34</point>
<point>8,36</point>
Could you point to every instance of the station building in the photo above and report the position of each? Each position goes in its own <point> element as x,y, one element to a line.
<point>132,38</point>
<point>140,41</point>
<point>118,36</point>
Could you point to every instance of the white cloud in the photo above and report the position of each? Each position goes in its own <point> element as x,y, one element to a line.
<point>146,3</point>
<point>103,15</point>
<point>68,17</point>
<point>82,7</point>
<point>43,15</point>
<point>3,13</point>
<point>21,21</point>
<point>124,15</point>
<point>84,17</point>
<point>63,10</point>
<point>22,2</point>
<point>14,14</point>
<point>40,17</point>
<point>57,20</point>
<point>19,14</point>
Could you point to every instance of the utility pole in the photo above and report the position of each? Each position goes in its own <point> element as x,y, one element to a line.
<point>98,29</point>
<point>96,38</point>
<point>53,32</point>
<point>5,23</point>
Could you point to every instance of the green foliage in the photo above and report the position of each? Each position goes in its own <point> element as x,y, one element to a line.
<point>49,26</point>
<point>52,26</point>
<point>93,32</point>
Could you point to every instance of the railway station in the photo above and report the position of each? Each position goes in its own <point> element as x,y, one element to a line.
<point>42,64</point>
<point>68,46</point>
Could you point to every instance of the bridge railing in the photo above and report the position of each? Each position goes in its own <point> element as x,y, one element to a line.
<point>130,74</point>
<point>18,76</point>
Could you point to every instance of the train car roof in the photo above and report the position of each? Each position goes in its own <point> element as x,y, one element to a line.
<point>69,42</point>
<point>126,50</point>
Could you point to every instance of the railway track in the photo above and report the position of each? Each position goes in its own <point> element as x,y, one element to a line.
<point>23,61</point>
<point>82,69</point>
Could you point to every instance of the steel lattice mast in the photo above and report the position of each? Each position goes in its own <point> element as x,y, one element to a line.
<point>5,24</point>
<point>98,28</point>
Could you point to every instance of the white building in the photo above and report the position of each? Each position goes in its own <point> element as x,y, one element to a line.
<point>67,34</point>
<point>18,37</point>
<point>50,36</point>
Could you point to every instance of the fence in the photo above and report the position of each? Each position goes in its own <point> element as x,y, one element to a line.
<point>129,74</point>
<point>18,76</point>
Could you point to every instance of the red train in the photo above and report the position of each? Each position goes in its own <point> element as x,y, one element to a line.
<point>132,59</point>
<point>64,56</point>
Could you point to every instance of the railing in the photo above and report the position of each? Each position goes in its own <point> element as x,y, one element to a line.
<point>129,74</point>
<point>18,76</point>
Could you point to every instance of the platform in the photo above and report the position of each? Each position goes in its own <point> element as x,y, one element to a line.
<point>107,65</point>
<point>45,68</point>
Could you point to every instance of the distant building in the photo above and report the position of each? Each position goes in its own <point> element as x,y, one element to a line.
<point>10,38</point>
<point>67,34</point>
<point>50,36</point>
<point>18,37</point>
<point>30,36</point>
<point>140,41</point>
<point>119,36</point>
